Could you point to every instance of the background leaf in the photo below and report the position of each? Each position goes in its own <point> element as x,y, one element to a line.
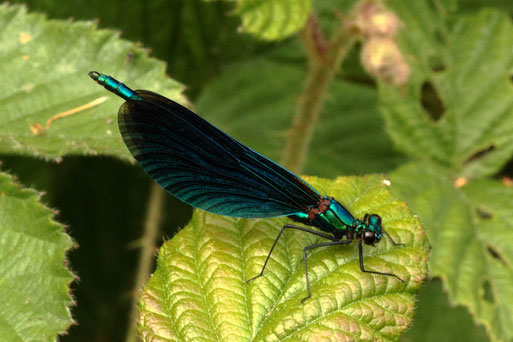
<point>34,282</point>
<point>273,19</point>
<point>193,52</point>
<point>471,234</point>
<point>42,58</point>
<point>349,138</point>
<point>200,289</point>
<point>437,320</point>
<point>454,120</point>
<point>458,107</point>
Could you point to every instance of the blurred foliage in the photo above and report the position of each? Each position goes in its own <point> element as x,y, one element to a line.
<point>457,136</point>
<point>437,320</point>
<point>272,19</point>
<point>260,116</point>
<point>466,123</point>
<point>249,88</point>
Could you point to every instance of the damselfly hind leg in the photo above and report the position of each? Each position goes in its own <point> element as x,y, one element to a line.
<point>290,226</point>
<point>332,243</point>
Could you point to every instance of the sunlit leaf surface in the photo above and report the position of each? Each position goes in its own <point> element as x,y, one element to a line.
<point>199,289</point>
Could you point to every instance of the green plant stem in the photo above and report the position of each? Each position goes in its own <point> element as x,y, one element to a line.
<point>148,246</point>
<point>323,64</point>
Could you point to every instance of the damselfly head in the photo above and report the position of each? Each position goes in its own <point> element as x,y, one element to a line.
<point>372,231</point>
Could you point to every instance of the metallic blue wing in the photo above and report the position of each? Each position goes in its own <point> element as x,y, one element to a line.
<point>205,167</point>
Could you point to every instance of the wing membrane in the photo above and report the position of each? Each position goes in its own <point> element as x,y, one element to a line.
<point>205,167</point>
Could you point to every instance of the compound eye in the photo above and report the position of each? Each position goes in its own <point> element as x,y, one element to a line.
<point>369,237</point>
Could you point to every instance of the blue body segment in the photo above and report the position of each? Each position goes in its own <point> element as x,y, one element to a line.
<point>208,169</point>
<point>114,86</point>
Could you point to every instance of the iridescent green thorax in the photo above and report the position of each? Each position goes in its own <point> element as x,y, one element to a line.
<point>114,86</point>
<point>330,217</point>
<point>334,218</point>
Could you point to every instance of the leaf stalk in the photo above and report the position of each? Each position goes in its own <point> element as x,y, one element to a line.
<point>324,60</point>
<point>148,247</point>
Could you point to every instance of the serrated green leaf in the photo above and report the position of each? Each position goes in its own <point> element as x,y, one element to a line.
<point>471,233</point>
<point>34,282</point>
<point>199,290</point>
<point>45,66</point>
<point>251,103</point>
<point>468,61</point>
<point>193,52</point>
<point>273,19</point>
